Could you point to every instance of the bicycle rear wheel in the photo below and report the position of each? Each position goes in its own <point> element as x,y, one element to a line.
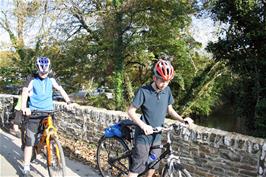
<point>57,159</point>
<point>177,171</point>
<point>113,157</point>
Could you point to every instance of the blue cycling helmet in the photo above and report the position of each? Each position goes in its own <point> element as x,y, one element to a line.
<point>43,64</point>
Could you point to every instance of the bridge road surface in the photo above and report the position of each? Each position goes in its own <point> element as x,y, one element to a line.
<point>11,161</point>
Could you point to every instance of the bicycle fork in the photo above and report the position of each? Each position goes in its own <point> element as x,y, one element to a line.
<point>50,131</point>
<point>174,164</point>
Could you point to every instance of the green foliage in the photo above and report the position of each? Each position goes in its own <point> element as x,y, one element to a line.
<point>20,65</point>
<point>244,50</point>
<point>115,43</point>
<point>101,101</point>
<point>5,58</point>
<point>133,31</point>
<point>205,89</point>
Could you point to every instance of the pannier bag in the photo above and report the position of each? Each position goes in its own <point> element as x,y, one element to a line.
<point>122,129</point>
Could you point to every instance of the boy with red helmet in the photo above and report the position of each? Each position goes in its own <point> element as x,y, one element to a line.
<point>155,101</point>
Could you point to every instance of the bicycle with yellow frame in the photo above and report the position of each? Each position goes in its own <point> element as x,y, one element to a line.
<point>48,144</point>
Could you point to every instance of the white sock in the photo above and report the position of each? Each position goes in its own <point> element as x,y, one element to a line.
<point>26,167</point>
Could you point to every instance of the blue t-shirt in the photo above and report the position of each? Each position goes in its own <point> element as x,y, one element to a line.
<point>153,104</point>
<point>41,92</point>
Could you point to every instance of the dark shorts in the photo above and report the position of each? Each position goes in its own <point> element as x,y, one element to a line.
<point>18,118</point>
<point>33,128</point>
<point>142,150</point>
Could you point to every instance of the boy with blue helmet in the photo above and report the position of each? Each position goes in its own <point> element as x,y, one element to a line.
<point>37,95</point>
<point>43,64</point>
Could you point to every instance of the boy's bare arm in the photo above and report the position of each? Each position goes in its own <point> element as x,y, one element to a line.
<point>63,93</point>
<point>133,115</point>
<point>24,98</point>
<point>61,90</point>
<point>174,114</point>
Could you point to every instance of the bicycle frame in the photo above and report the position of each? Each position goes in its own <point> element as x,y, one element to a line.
<point>168,151</point>
<point>49,130</point>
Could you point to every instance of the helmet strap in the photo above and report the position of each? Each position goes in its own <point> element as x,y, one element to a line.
<point>155,84</point>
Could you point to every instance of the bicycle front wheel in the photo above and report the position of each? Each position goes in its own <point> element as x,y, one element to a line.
<point>56,160</point>
<point>113,157</point>
<point>177,171</point>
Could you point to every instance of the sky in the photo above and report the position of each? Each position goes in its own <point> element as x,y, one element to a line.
<point>4,38</point>
<point>203,30</point>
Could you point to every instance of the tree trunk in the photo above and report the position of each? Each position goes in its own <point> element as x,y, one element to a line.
<point>119,62</point>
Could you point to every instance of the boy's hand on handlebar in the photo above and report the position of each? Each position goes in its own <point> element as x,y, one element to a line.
<point>148,130</point>
<point>26,111</point>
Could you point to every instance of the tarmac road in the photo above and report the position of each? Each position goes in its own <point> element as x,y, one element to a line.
<point>11,161</point>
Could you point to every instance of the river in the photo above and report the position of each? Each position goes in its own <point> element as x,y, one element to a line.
<point>224,119</point>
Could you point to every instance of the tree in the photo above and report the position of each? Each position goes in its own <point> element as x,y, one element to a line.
<point>243,48</point>
<point>126,35</point>
<point>28,26</point>
<point>122,39</point>
<point>116,43</point>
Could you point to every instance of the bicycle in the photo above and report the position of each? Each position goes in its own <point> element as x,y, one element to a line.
<point>47,144</point>
<point>114,155</point>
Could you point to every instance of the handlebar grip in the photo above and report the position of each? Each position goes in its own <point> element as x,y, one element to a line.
<point>157,129</point>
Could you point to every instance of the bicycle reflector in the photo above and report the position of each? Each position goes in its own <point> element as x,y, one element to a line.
<point>113,130</point>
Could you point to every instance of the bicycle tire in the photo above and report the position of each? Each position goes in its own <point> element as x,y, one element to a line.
<point>58,164</point>
<point>178,171</point>
<point>113,157</point>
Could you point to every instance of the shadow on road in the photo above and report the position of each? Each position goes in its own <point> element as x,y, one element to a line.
<point>11,152</point>
<point>14,155</point>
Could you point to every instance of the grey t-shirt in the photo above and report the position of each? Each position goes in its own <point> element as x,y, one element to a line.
<point>153,104</point>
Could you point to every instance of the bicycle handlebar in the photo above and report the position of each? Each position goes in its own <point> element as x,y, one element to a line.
<point>39,112</point>
<point>168,128</point>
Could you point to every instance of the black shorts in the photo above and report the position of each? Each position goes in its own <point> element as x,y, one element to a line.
<point>33,128</point>
<point>141,151</point>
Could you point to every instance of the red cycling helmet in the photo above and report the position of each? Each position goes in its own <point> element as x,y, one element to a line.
<point>164,70</point>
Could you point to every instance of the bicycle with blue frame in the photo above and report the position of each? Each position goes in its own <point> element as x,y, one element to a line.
<point>115,148</point>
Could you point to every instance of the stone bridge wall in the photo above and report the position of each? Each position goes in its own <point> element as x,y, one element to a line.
<point>205,151</point>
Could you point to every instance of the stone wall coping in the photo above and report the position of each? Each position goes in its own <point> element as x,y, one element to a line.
<point>8,95</point>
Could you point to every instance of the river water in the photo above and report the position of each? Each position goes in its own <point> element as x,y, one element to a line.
<point>224,119</point>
